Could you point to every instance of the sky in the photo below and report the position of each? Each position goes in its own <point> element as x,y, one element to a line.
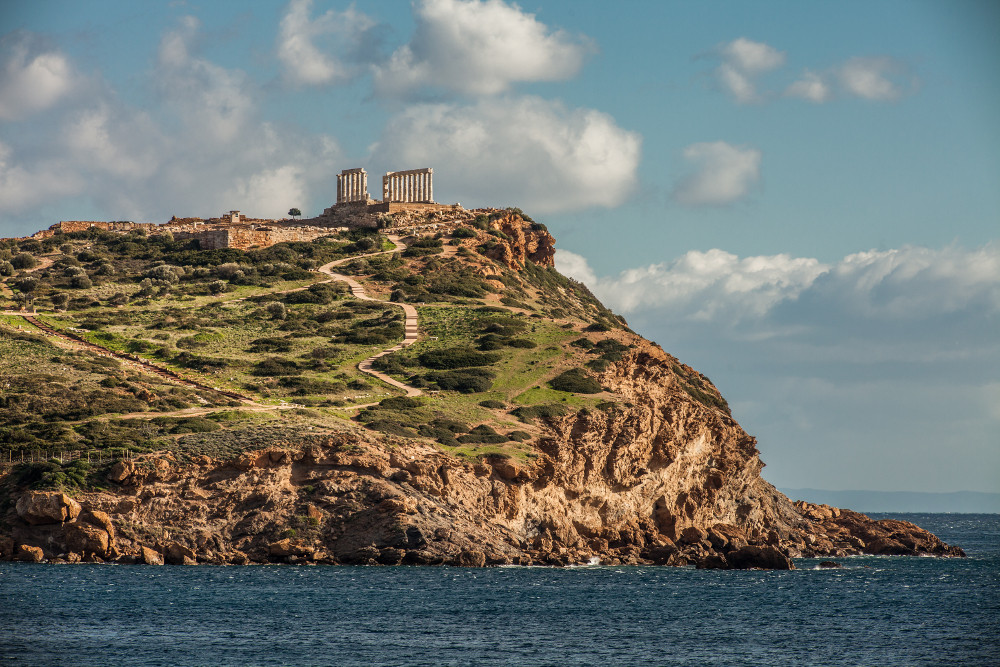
<point>801,200</point>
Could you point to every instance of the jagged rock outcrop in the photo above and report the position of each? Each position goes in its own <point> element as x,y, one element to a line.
<point>525,241</point>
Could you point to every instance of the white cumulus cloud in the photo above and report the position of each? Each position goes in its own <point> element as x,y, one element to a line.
<point>202,150</point>
<point>877,289</point>
<point>343,33</point>
<point>752,57</point>
<point>810,86</point>
<point>478,47</point>
<point>701,286</point>
<point>721,174</point>
<point>743,60</point>
<point>526,151</point>
<point>32,78</point>
<point>870,78</point>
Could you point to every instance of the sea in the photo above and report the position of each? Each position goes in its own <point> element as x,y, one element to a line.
<point>871,611</point>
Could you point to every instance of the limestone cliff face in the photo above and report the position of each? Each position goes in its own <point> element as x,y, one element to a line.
<point>525,241</point>
<point>665,476</point>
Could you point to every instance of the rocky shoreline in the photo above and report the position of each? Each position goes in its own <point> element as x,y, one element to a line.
<point>361,503</point>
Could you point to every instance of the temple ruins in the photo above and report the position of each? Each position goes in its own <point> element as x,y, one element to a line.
<point>352,186</point>
<point>413,186</point>
<point>410,191</point>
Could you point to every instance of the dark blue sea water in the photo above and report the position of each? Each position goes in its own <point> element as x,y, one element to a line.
<point>874,611</point>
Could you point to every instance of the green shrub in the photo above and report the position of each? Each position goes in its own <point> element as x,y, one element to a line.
<point>277,310</point>
<point>482,439</point>
<point>24,260</point>
<point>81,282</point>
<point>452,425</point>
<point>463,233</point>
<point>598,365</point>
<point>321,293</point>
<point>706,398</point>
<point>399,403</point>
<point>522,343</point>
<point>457,357</point>
<point>392,427</point>
<point>276,366</point>
<point>465,381</point>
<point>268,345</point>
<point>195,425</point>
<point>442,435</point>
<point>576,380</point>
<point>305,386</point>
<point>529,413</point>
<point>493,404</point>
<point>427,242</point>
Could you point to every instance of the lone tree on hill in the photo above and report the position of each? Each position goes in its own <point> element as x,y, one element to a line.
<point>294,212</point>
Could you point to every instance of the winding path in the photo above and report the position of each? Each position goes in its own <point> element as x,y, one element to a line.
<point>410,328</point>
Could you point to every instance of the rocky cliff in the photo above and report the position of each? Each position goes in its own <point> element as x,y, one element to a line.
<point>652,469</point>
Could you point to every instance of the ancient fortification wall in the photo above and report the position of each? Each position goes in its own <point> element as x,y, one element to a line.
<point>245,237</point>
<point>67,226</point>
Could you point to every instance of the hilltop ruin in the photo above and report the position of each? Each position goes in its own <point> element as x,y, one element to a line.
<point>407,199</point>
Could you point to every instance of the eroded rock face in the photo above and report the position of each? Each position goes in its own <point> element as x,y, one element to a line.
<point>527,241</point>
<point>45,507</point>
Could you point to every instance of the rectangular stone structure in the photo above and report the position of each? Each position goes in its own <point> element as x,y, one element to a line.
<point>411,186</point>
<point>352,186</point>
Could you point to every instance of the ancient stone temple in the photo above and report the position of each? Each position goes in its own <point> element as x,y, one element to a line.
<point>410,191</point>
<point>352,186</point>
<point>412,186</point>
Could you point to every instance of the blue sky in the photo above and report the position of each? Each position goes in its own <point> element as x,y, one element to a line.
<point>799,199</point>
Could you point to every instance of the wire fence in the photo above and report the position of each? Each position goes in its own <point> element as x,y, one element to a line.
<point>14,457</point>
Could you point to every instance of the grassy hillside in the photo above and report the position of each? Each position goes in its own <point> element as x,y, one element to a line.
<point>502,346</point>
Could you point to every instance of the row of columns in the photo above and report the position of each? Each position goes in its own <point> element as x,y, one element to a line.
<point>415,185</point>
<point>352,186</point>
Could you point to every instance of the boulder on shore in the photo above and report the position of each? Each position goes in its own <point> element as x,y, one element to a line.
<point>87,539</point>
<point>29,554</point>
<point>44,507</point>
<point>759,558</point>
<point>150,556</point>
<point>178,554</point>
